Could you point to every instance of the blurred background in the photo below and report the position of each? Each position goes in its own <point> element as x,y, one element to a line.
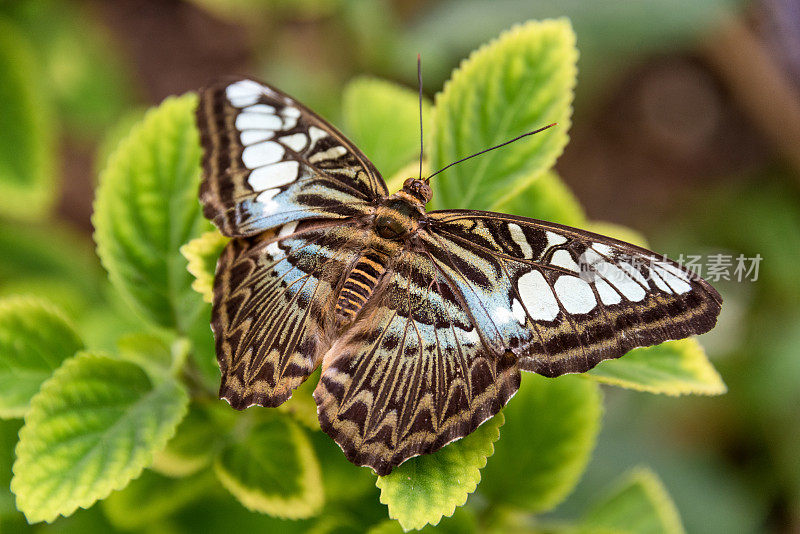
<point>686,128</point>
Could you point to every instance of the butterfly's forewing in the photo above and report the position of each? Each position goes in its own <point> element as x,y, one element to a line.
<point>268,160</point>
<point>564,299</point>
<point>413,374</point>
<point>271,294</point>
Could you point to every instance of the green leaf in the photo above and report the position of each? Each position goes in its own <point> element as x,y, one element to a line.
<point>382,119</point>
<point>92,428</point>
<point>35,339</point>
<point>197,440</point>
<point>80,64</point>
<point>550,432</point>
<point>157,355</point>
<point>273,469</point>
<point>8,440</point>
<point>674,368</point>
<point>427,487</point>
<point>202,254</point>
<point>521,81</point>
<point>152,497</point>
<point>146,208</point>
<point>26,130</point>
<point>546,197</point>
<point>638,505</point>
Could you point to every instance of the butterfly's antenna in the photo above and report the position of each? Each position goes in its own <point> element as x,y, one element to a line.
<point>491,148</point>
<point>419,82</point>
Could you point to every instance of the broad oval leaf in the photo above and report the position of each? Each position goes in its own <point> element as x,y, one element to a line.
<point>382,119</point>
<point>273,470</point>
<point>675,368</point>
<point>197,440</point>
<point>638,504</point>
<point>92,428</point>
<point>26,130</point>
<point>522,81</point>
<point>147,208</point>
<point>35,338</point>
<point>423,489</point>
<point>550,432</point>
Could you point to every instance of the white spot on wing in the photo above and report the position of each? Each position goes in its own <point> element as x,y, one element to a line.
<point>562,258</point>
<point>332,153</point>
<point>296,142</point>
<point>518,311</point>
<point>674,270</point>
<point>287,229</point>
<point>660,284</point>
<point>633,272</point>
<point>575,294</point>
<point>678,286</point>
<point>262,154</point>
<point>554,239</point>
<point>290,111</point>
<point>519,238</point>
<point>268,205</point>
<point>257,121</point>
<point>316,134</point>
<point>602,248</point>
<point>537,296</point>
<point>607,293</point>
<point>249,137</point>
<point>260,108</point>
<point>244,93</point>
<point>275,175</point>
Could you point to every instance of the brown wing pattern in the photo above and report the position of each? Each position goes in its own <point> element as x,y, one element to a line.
<point>413,374</point>
<point>270,296</point>
<point>269,160</point>
<point>564,299</point>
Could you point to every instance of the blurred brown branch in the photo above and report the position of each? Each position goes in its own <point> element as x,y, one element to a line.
<point>759,84</point>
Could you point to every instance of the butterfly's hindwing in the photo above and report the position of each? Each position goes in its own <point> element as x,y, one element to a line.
<point>564,299</point>
<point>413,374</point>
<point>268,160</point>
<point>270,298</point>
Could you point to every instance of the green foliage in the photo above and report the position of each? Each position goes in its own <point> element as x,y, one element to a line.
<point>382,119</point>
<point>674,368</point>
<point>146,209</point>
<point>427,487</point>
<point>273,469</point>
<point>546,197</point>
<point>99,421</point>
<point>521,81</point>
<point>91,428</point>
<point>638,504</point>
<point>26,130</point>
<point>35,339</point>
<point>78,64</point>
<point>202,254</point>
<point>550,431</point>
<point>152,497</point>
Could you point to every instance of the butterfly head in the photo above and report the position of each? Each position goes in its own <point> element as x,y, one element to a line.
<point>418,189</point>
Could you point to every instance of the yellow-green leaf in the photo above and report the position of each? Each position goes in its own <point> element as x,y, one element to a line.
<point>92,428</point>
<point>674,368</point>
<point>146,208</point>
<point>547,198</point>
<point>519,82</point>
<point>202,254</point>
<point>425,488</point>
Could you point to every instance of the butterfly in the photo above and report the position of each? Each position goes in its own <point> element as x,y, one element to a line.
<point>421,321</point>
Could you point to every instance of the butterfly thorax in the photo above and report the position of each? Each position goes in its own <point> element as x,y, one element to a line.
<point>396,221</point>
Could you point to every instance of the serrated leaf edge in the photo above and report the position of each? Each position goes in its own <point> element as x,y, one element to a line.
<point>103,489</point>
<point>193,252</point>
<point>307,504</point>
<point>486,451</point>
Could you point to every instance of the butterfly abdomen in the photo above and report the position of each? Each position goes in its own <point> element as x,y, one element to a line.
<point>359,285</point>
